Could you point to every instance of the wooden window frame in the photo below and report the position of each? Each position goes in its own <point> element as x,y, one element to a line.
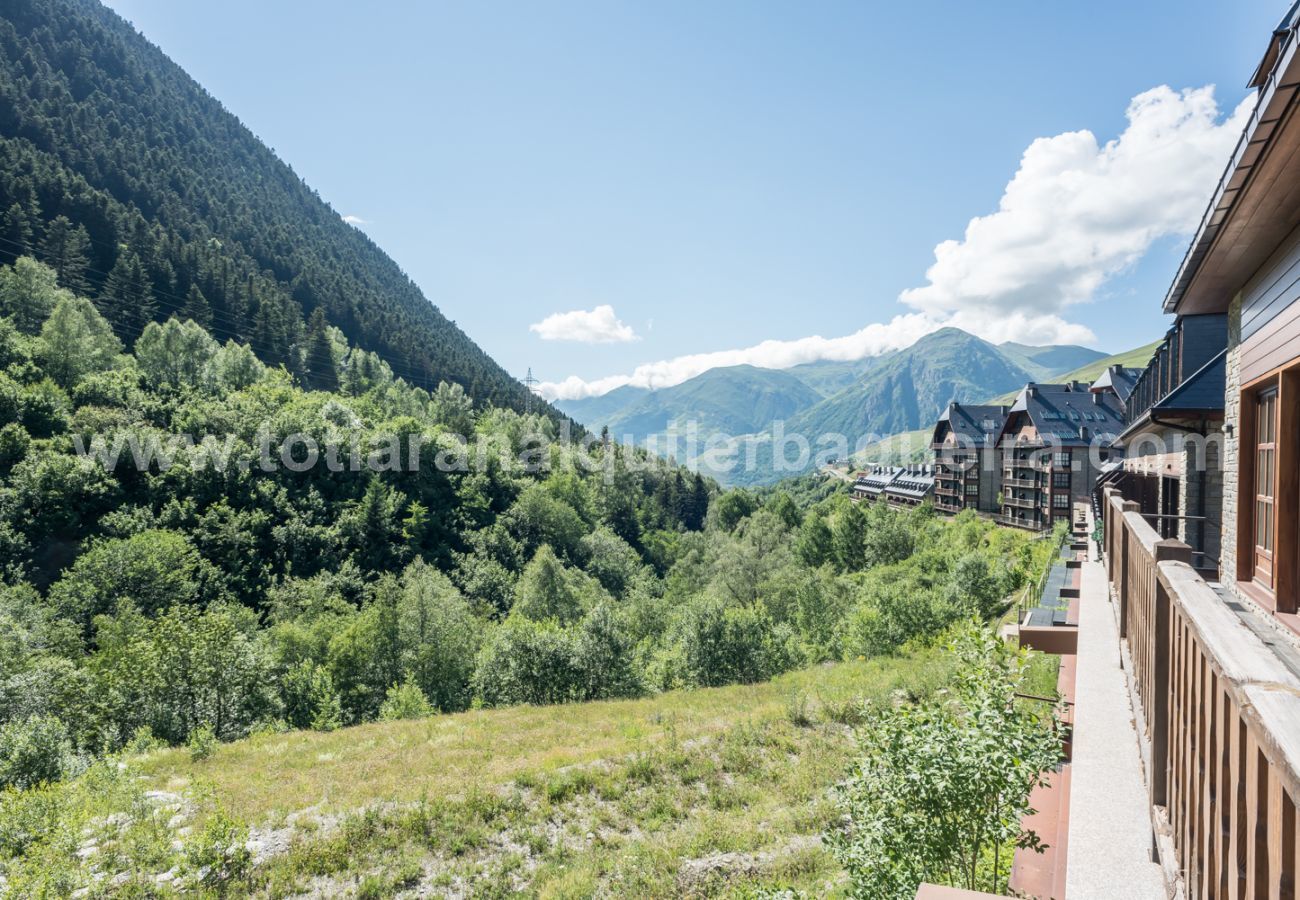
<point>1264,493</point>
<point>1275,590</point>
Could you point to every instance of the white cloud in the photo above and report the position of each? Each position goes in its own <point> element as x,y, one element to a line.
<point>354,220</point>
<point>870,341</point>
<point>595,326</point>
<point>1077,213</point>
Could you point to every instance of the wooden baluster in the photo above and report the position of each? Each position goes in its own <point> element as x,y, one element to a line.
<point>1125,553</point>
<point>1256,819</point>
<point>1207,824</point>
<point>1273,785</point>
<point>1237,808</point>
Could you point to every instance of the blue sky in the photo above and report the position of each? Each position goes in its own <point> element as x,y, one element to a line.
<point>720,173</point>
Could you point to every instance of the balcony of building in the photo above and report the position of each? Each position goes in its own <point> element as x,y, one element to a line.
<point>1216,699</point>
<point>1024,483</point>
<point>1092,815</point>
<point>1192,343</point>
<point>948,488</point>
<point>1029,522</point>
<point>1031,502</point>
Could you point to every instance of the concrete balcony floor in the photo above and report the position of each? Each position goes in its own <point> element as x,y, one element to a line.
<point>1110,834</point>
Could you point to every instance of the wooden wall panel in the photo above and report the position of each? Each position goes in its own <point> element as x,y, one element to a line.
<point>1272,346</point>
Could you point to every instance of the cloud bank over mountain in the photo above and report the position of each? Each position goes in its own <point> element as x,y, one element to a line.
<point>1075,214</point>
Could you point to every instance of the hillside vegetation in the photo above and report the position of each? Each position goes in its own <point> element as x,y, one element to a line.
<point>219,590</point>
<point>303,555</point>
<point>699,793</point>
<point>144,193</point>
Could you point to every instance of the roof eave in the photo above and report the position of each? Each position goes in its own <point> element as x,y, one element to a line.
<point>1283,66</point>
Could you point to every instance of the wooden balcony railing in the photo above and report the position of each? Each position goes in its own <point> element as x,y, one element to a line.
<point>1221,720</point>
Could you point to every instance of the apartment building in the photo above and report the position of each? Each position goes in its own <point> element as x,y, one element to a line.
<point>1054,442</point>
<point>967,464</point>
<point>1173,437</point>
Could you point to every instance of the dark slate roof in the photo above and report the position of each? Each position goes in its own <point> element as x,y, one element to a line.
<point>1119,379</point>
<point>1070,413</point>
<point>1201,395</point>
<point>979,425</point>
<point>913,484</point>
<point>913,481</point>
<point>1201,392</point>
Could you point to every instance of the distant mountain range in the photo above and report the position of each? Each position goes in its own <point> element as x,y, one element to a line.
<point>883,395</point>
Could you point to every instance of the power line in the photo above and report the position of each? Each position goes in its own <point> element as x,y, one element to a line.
<point>530,385</point>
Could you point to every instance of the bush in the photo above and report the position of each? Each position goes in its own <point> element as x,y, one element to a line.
<point>942,786</point>
<point>309,697</point>
<point>603,656</point>
<point>219,854</point>
<point>405,701</point>
<point>528,662</point>
<point>202,742</point>
<point>893,611</point>
<point>34,751</point>
<point>156,569</point>
<point>721,644</point>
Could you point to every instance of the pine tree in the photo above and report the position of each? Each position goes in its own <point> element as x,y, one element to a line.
<point>699,505</point>
<point>15,233</point>
<point>66,250</point>
<point>197,309</point>
<point>126,298</point>
<point>319,362</point>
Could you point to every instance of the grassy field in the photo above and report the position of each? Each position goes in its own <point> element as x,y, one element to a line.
<point>696,793</point>
<point>900,449</point>
<point>1136,358</point>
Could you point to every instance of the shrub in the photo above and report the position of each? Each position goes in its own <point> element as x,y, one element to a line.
<point>405,701</point>
<point>891,612</point>
<point>439,636</point>
<point>942,786</point>
<point>527,662</point>
<point>202,742</point>
<point>603,656</point>
<point>34,751</point>
<point>219,854</point>
<point>309,697</point>
<point>156,569</point>
<point>723,644</point>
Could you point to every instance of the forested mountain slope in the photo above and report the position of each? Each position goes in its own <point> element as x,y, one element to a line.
<point>146,195</point>
<point>908,389</point>
<point>731,399</point>
<point>882,395</point>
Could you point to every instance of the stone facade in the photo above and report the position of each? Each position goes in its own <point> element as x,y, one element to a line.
<point>1231,428</point>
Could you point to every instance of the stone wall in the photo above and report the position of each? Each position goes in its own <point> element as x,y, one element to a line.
<point>1231,424</point>
<point>1201,495</point>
